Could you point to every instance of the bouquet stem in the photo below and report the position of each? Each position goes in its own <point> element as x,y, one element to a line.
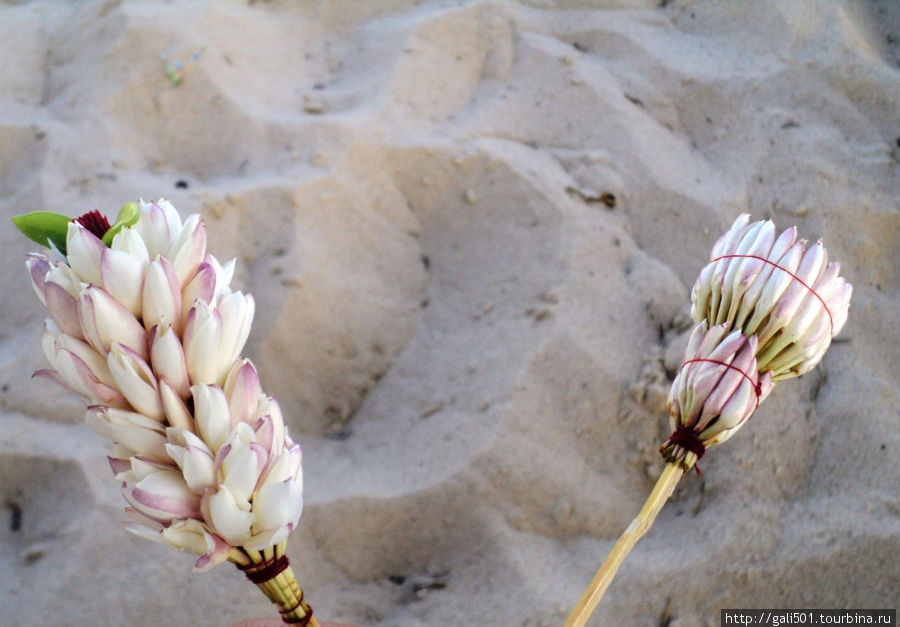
<point>270,571</point>
<point>665,485</point>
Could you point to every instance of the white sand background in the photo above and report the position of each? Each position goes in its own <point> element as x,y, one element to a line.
<point>471,229</point>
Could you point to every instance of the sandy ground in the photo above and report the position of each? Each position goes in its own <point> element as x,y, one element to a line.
<point>471,229</point>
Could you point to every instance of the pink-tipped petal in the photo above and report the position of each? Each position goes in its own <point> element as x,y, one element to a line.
<point>217,552</point>
<point>227,516</point>
<point>241,469</point>
<point>138,434</point>
<point>63,309</point>
<point>38,266</point>
<point>236,318</point>
<point>143,466</point>
<point>158,226</point>
<point>277,505</point>
<point>118,465</point>
<point>163,496</point>
<point>167,359</point>
<point>136,380</point>
<point>161,295</point>
<point>202,336</point>
<point>211,415</point>
<point>202,286</point>
<point>188,249</point>
<point>79,377</point>
<point>265,435</point>
<point>186,535</point>
<point>196,466</point>
<point>243,390</point>
<point>123,277</point>
<point>105,321</point>
<point>174,407</point>
<point>84,251</point>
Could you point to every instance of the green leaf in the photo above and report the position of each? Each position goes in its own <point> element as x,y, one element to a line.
<point>44,227</point>
<point>128,216</point>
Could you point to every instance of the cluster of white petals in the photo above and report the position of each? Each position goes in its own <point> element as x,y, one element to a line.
<point>766,309</point>
<point>775,288</point>
<point>149,331</point>
<point>716,390</point>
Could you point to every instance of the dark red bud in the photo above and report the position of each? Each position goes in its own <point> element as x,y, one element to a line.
<point>95,222</point>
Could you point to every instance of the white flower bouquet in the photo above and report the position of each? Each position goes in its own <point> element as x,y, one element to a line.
<point>144,325</point>
<point>766,309</point>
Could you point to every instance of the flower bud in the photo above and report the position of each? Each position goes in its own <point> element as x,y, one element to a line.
<point>201,340</point>
<point>243,391</point>
<point>788,296</point>
<point>167,359</point>
<point>717,388</point>
<point>105,321</point>
<point>136,433</point>
<point>161,295</point>
<point>211,415</point>
<point>188,249</point>
<point>84,251</point>
<point>229,515</point>
<point>123,277</point>
<point>58,287</point>
<point>136,380</point>
<point>163,496</point>
<point>158,226</point>
<point>193,458</point>
<point>78,367</point>
<point>277,508</point>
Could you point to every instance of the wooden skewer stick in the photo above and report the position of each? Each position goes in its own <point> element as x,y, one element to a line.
<point>665,485</point>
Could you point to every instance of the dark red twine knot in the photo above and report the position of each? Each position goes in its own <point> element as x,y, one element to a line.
<point>265,571</point>
<point>689,441</point>
<point>95,222</point>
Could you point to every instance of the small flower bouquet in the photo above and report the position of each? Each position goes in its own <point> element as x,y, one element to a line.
<point>144,325</point>
<point>766,309</point>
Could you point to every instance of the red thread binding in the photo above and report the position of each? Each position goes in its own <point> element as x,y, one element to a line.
<point>757,388</point>
<point>303,621</point>
<point>793,276</point>
<point>688,440</point>
<point>264,571</point>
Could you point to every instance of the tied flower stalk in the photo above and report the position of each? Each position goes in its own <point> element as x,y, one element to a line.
<point>143,324</point>
<point>766,309</point>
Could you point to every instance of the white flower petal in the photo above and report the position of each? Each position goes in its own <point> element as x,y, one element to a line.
<point>105,321</point>
<point>211,415</point>
<point>277,505</point>
<point>163,496</point>
<point>167,359</point>
<point>227,517</point>
<point>189,248</point>
<point>196,466</point>
<point>84,250</point>
<point>138,434</point>
<point>123,277</point>
<point>202,336</point>
<point>135,380</point>
<point>161,295</point>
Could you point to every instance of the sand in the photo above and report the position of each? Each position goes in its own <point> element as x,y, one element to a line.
<point>471,229</point>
